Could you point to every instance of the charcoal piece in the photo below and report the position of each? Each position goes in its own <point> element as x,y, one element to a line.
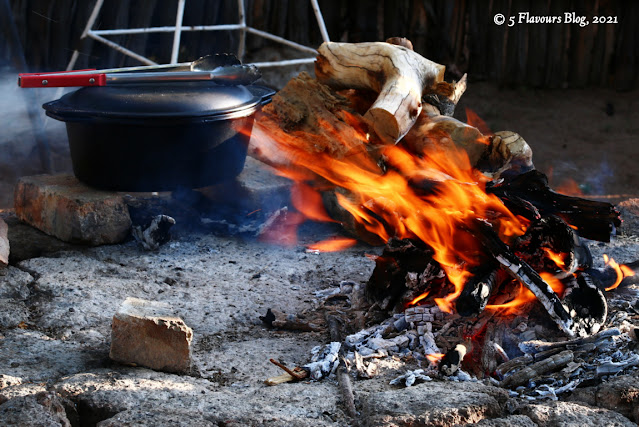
<point>478,288</point>
<point>387,284</point>
<point>452,360</point>
<point>593,220</point>
<point>155,233</point>
<point>550,237</point>
<point>586,303</point>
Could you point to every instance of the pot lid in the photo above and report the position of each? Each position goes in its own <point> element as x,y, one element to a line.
<point>163,100</point>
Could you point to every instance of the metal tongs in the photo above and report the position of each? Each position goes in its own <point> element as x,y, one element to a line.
<point>222,69</point>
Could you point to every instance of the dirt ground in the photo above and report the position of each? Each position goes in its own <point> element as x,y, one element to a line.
<point>583,139</point>
<point>589,136</point>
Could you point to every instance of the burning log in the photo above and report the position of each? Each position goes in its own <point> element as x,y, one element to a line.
<point>479,288</point>
<point>586,303</point>
<point>550,245</point>
<point>592,220</point>
<point>520,270</point>
<point>398,74</point>
<point>388,286</point>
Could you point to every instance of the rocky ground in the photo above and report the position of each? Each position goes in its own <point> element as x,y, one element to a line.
<point>57,302</point>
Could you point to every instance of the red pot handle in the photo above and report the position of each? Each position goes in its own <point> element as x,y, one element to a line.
<point>61,79</point>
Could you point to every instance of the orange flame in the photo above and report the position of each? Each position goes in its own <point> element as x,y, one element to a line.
<point>391,202</point>
<point>435,358</point>
<point>555,257</point>
<point>333,245</point>
<point>474,120</point>
<point>418,299</point>
<point>524,295</point>
<point>622,271</point>
<point>569,187</point>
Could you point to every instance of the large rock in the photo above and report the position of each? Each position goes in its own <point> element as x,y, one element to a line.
<point>620,394</point>
<point>12,313</point>
<point>433,404</point>
<point>510,421</point>
<point>148,333</point>
<point>63,207</point>
<point>4,244</point>
<point>113,396</point>
<point>172,418</point>
<point>41,409</point>
<point>571,414</point>
<point>28,242</point>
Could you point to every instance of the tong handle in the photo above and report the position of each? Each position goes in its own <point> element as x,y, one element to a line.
<point>64,79</point>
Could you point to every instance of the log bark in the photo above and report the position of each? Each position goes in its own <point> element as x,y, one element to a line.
<point>309,118</point>
<point>398,74</point>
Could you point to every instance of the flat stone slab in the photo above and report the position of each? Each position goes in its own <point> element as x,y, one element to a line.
<point>571,414</point>
<point>434,404</point>
<point>63,207</point>
<point>620,394</point>
<point>105,393</point>
<point>148,333</point>
<point>40,409</point>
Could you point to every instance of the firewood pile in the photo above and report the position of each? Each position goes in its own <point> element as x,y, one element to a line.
<point>481,254</point>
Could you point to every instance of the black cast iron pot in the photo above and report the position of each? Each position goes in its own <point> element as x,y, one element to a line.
<point>158,136</point>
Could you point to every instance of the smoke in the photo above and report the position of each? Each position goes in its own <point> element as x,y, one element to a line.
<point>599,180</point>
<point>30,142</point>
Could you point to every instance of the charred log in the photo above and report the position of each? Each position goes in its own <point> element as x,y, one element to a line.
<point>523,272</point>
<point>550,245</point>
<point>479,288</point>
<point>587,304</point>
<point>402,258</point>
<point>607,276</point>
<point>593,220</point>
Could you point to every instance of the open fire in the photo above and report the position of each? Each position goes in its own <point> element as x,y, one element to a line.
<point>434,194</point>
<point>470,227</point>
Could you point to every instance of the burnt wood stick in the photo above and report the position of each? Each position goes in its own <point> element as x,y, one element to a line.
<point>452,360</point>
<point>335,328</point>
<point>478,288</point>
<point>593,220</point>
<point>520,270</point>
<point>535,346</point>
<point>551,364</point>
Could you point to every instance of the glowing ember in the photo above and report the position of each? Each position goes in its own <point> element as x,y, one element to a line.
<point>622,271</point>
<point>333,245</point>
